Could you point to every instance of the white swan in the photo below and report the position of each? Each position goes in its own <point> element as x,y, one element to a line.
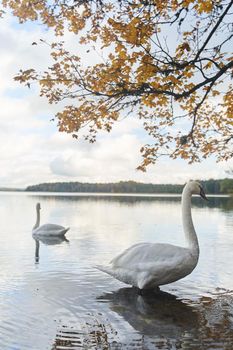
<point>150,265</point>
<point>51,230</point>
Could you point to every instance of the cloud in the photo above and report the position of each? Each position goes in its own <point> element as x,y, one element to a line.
<point>107,160</point>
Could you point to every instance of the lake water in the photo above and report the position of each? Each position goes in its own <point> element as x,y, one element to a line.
<point>58,300</point>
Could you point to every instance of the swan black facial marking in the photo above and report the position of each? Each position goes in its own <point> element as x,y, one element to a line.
<point>202,194</point>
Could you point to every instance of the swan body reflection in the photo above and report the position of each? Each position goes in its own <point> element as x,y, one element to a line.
<point>163,315</point>
<point>47,240</point>
<point>51,230</point>
<point>150,265</point>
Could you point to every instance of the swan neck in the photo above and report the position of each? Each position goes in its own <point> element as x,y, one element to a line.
<point>188,226</point>
<point>37,218</point>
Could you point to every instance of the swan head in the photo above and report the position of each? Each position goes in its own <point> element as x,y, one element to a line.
<point>196,188</point>
<point>38,207</point>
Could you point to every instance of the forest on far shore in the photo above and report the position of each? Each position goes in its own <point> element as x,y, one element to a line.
<point>223,186</point>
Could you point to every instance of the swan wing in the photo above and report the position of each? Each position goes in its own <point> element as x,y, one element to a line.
<point>142,255</point>
<point>50,230</point>
<point>127,254</point>
<point>51,227</point>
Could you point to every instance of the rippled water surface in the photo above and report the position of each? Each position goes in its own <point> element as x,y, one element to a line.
<point>52,297</point>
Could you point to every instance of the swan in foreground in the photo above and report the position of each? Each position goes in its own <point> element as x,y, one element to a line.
<point>150,265</point>
<point>52,230</point>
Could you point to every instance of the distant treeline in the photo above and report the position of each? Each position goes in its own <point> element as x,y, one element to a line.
<point>8,189</point>
<point>211,186</point>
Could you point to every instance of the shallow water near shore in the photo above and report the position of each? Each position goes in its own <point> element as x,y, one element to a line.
<point>52,297</point>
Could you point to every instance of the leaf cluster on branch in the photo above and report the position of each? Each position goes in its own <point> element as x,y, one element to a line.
<point>168,63</point>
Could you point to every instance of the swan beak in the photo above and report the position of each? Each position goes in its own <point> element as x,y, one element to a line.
<point>202,194</point>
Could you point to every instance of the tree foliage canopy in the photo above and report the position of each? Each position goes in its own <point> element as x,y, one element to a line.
<point>168,63</point>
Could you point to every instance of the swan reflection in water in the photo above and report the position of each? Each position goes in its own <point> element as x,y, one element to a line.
<point>166,319</point>
<point>49,240</point>
<point>162,313</point>
<point>159,321</point>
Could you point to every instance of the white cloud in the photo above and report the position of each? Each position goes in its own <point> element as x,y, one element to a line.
<point>110,159</point>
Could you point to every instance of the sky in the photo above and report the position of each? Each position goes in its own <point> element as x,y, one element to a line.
<point>32,150</point>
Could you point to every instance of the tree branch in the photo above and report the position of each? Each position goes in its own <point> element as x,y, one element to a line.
<point>213,30</point>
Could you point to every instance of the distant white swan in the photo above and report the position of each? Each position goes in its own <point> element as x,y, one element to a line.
<point>150,265</point>
<point>51,230</point>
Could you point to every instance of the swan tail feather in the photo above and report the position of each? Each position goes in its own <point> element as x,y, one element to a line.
<point>106,269</point>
